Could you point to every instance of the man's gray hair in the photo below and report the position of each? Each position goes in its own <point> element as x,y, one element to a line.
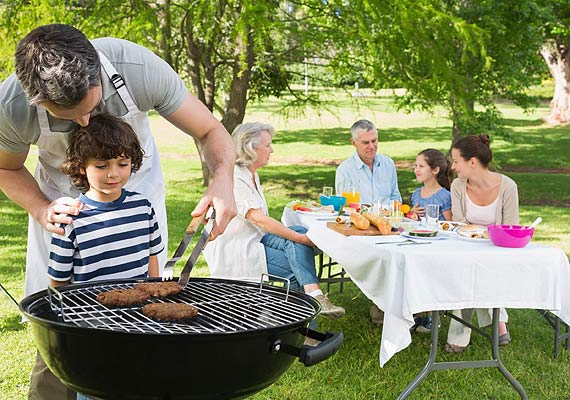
<point>246,138</point>
<point>362,124</point>
<point>57,63</point>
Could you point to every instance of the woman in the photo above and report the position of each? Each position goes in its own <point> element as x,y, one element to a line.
<point>254,243</point>
<point>479,196</point>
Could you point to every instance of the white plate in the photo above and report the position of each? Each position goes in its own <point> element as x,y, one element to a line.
<point>474,240</point>
<point>439,236</point>
<point>317,213</point>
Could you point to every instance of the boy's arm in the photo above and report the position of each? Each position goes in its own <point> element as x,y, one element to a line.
<point>153,267</point>
<point>53,283</point>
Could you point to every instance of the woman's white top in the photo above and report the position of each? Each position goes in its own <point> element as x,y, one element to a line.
<point>238,253</point>
<point>481,215</point>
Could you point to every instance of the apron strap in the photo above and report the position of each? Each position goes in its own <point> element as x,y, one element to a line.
<point>118,83</point>
<point>43,120</point>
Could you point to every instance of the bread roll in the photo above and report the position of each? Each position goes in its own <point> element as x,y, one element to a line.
<point>379,222</point>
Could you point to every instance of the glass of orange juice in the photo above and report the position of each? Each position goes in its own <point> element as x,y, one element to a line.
<point>350,191</point>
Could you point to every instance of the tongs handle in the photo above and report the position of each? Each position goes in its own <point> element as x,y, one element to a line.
<point>195,223</point>
<point>210,214</point>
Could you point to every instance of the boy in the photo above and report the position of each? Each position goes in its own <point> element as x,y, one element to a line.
<point>115,235</point>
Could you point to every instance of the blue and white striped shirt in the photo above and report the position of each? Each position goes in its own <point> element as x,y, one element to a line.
<point>106,241</point>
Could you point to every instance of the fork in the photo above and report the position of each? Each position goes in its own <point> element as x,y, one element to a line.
<point>411,243</point>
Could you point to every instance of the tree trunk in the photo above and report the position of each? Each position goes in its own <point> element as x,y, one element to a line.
<point>164,49</point>
<point>242,66</point>
<point>557,57</point>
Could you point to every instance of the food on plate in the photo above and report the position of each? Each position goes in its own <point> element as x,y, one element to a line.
<point>412,215</point>
<point>379,222</point>
<point>474,231</point>
<point>122,297</point>
<point>422,233</point>
<point>341,219</point>
<point>169,311</point>
<point>348,210</point>
<point>449,225</point>
<point>303,205</point>
<point>355,206</point>
<point>359,221</point>
<point>159,289</point>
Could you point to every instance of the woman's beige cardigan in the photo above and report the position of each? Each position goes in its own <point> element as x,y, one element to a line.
<point>507,212</point>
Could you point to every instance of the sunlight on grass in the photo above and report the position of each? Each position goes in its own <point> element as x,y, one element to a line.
<point>306,149</point>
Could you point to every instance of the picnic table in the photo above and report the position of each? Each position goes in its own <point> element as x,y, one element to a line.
<point>447,274</point>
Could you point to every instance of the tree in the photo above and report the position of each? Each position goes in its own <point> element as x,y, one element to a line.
<point>459,54</point>
<point>229,50</point>
<point>556,53</point>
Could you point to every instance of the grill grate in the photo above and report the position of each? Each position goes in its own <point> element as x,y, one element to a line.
<point>223,308</point>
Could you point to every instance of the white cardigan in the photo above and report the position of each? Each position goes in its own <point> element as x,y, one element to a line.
<point>238,253</point>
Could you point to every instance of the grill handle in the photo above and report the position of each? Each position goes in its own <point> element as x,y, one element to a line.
<point>330,343</point>
<point>268,278</point>
<point>311,355</point>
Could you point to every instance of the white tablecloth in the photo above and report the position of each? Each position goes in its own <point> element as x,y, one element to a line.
<point>444,275</point>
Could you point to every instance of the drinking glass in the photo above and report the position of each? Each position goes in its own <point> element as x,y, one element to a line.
<point>432,215</point>
<point>327,191</point>
<point>351,192</point>
<point>395,216</point>
<point>386,207</point>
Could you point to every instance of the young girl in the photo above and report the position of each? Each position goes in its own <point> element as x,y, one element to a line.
<point>434,171</point>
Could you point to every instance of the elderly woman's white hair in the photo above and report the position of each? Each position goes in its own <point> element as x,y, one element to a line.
<point>246,138</point>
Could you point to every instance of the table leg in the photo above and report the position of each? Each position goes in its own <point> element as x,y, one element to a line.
<point>432,365</point>
<point>431,360</point>
<point>555,322</point>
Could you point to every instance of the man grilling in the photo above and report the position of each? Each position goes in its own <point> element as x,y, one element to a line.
<point>61,81</point>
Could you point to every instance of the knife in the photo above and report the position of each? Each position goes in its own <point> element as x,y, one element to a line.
<point>200,244</point>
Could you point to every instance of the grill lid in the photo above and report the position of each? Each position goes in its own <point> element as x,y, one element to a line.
<point>224,307</point>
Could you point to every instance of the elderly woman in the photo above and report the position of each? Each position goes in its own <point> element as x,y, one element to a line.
<point>254,243</point>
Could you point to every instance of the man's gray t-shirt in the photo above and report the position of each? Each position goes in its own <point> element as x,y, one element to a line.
<point>152,83</point>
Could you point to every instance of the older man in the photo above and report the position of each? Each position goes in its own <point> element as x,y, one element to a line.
<point>372,174</point>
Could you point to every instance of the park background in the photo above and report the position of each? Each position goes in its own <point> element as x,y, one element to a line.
<point>314,68</point>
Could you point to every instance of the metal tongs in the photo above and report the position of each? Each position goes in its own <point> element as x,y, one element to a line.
<point>191,230</point>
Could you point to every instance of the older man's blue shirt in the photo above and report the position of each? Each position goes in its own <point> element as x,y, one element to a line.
<point>379,184</point>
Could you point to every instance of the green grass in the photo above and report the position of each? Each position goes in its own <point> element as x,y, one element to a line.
<point>303,146</point>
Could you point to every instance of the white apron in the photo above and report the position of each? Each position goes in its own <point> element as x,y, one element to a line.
<point>52,146</point>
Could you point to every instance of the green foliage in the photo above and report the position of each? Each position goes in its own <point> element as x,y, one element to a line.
<point>306,152</point>
<point>456,54</point>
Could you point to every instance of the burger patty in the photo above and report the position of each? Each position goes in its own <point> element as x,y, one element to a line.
<point>169,311</point>
<point>159,289</point>
<point>122,297</point>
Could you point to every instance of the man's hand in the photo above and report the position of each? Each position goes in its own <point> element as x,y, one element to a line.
<point>58,212</point>
<point>220,195</point>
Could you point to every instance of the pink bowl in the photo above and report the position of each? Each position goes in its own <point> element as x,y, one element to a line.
<point>510,235</point>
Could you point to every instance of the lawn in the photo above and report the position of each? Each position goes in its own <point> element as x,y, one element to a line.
<point>307,147</point>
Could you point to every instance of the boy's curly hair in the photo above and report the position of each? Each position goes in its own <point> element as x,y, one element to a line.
<point>105,137</point>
